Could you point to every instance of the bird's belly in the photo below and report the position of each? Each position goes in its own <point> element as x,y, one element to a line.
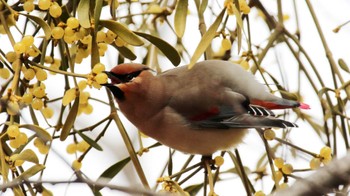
<point>204,141</point>
<point>171,130</point>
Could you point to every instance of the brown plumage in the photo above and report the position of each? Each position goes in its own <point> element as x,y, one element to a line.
<point>198,111</point>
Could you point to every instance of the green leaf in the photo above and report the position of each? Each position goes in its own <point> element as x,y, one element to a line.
<point>39,131</point>
<point>33,116</point>
<point>26,155</point>
<point>114,4</point>
<point>125,52</point>
<point>194,189</point>
<point>67,126</point>
<point>65,12</point>
<point>123,32</point>
<point>288,95</point>
<point>90,141</point>
<point>168,50</point>
<point>285,94</point>
<point>46,28</point>
<point>83,11</point>
<point>239,26</point>
<point>343,65</point>
<point>206,39</point>
<point>96,193</point>
<point>180,17</point>
<point>113,170</point>
<point>237,13</point>
<point>97,12</point>
<point>31,171</point>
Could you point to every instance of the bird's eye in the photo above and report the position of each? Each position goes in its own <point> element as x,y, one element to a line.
<point>129,77</point>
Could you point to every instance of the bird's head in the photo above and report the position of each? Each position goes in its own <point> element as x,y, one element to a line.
<point>123,77</point>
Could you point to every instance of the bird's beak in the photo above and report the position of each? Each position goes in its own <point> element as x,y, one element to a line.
<point>117,92</point>
<point>113,77</point>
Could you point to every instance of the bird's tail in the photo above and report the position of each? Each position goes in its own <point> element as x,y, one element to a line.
<point>248,121</point>
<point>279,104</point>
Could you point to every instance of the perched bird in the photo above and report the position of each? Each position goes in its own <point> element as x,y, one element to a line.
<point>199,110</point>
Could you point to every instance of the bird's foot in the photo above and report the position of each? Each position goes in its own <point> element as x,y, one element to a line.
<point>210,161</point>
<point>209,164</point>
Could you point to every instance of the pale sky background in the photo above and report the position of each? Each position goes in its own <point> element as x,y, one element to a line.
<point>330,14</point>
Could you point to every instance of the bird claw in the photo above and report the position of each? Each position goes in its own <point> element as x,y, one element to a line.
<point>208,160</point>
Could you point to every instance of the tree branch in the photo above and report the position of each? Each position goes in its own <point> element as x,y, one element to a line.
<point>322,181</point>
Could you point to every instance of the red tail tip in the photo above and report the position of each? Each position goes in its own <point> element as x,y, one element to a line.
<point>304,106</point>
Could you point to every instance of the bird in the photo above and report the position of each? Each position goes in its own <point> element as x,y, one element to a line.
<point>201,110</point>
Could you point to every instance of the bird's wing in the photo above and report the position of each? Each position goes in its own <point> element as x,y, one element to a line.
<point>233,111</point>
<point>243,121</point>
<point>209,98</point>
<point>227,118</point>
<point>256,110</point>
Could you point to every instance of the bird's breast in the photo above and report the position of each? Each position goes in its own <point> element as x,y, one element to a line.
<point>171,129</point>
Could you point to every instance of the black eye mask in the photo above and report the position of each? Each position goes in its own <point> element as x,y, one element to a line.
<point>124,78</point>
